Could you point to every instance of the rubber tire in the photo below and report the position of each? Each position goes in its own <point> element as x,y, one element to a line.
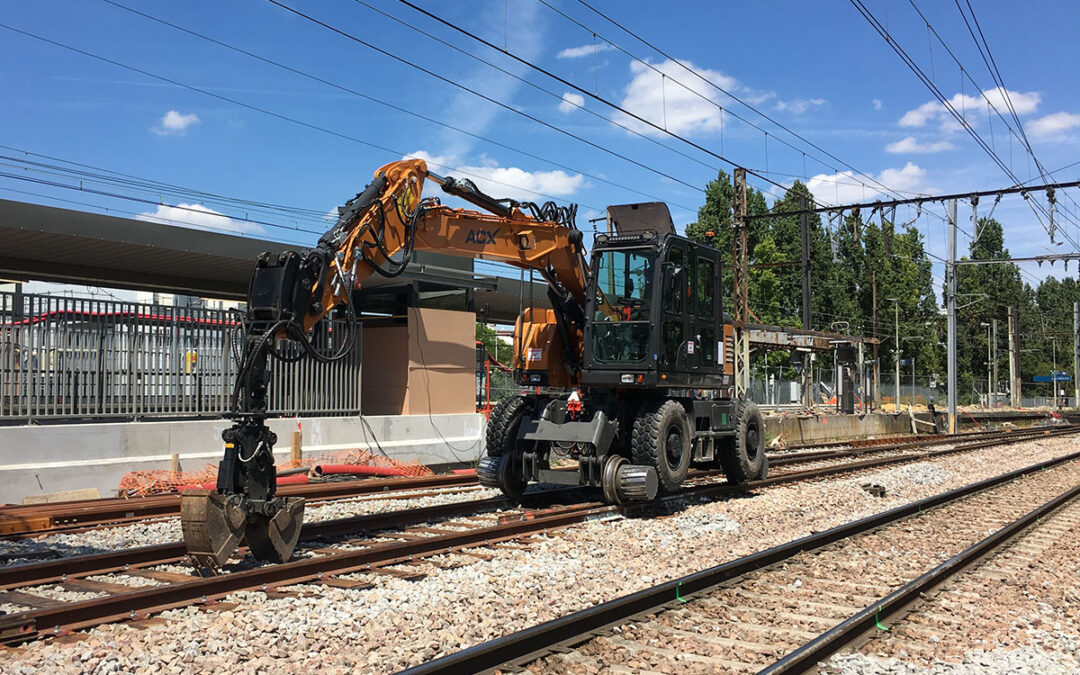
<point>501,435</point>
<point>741,462</point>
<point>650,438</point>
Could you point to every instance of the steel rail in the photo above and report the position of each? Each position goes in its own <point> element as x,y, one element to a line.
<point>21,521</point>
<point>527,645</point>
<point>118,561</point>
<point>141,602</point>
<point>43,518</point>
<point>799,457</point>
<point>834,639</point>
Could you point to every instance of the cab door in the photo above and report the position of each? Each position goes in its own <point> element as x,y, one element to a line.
<point>704,312</point>
<point>674,323</point>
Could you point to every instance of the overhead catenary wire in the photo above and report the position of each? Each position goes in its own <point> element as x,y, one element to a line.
<point>483,96</point>
<point>1019,133</point>
<point>949,107</point>
<point>722,90</point>
<point>388,104</point>
<point>259,109</point>
<point>582,91</point>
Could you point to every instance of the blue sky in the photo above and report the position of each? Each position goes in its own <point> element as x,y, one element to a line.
<point>817,68</point>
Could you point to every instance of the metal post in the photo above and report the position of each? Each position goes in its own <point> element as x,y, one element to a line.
<point>1053,373</point>
<point>1076,353</point>
<point>950,303</point>
<point>994,373</point>
<point>913,379</point>
<point>988,390</point>
<point>1014,359</point>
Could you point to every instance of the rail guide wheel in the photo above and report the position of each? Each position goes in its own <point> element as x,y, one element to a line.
<point>622,482</point>
<point>503,472</point>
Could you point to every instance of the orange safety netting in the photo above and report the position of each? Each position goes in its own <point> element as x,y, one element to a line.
<point>144,483</point>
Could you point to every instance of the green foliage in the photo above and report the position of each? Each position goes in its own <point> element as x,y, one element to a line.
<point>876,262</point>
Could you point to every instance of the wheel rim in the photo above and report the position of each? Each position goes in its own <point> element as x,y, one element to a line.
<point>674,446</point>
<point>752,442</point>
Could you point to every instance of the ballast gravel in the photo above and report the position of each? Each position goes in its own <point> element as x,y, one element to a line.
<point>397,623</point>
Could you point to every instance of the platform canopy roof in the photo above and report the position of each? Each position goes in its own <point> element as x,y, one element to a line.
<point>52,244</point>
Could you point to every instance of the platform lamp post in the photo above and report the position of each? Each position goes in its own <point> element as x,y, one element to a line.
<point>896,349</point>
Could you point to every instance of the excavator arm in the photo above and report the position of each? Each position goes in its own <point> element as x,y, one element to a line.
<point>377,232</point>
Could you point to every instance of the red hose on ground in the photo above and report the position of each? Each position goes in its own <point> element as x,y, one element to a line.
<point>358,470</point>
<point>301,479</point>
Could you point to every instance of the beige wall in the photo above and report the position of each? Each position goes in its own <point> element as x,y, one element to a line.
<point>426,366</point>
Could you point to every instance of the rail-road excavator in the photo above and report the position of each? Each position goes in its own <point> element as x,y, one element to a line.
<point>625,381</point>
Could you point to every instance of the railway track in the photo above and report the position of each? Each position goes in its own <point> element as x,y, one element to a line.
<point>945,622</point>
<point>28,521</point>
<point>68,517</point>
<point>785,609</point>
<point>369,546</point>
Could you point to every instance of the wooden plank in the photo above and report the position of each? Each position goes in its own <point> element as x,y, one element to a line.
<point>82,585</point>
<point>352,584</point>
<point>65,496</point>
<point>30,600</point>
<point>160,576</point>
<point>400,574</point>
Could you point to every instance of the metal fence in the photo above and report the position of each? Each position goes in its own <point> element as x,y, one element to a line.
<point>70,358</point>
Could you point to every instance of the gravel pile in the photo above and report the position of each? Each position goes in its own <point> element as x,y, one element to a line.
<point>975,662</point>
<point>397,624</point>
<point>92,541</point>
<point>898,478</point>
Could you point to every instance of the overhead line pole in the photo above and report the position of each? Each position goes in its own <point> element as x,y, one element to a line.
<point>950,304</point>
<point>739,293</point>
<point>1076,353</point>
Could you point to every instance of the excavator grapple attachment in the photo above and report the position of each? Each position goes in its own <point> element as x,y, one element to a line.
<point>273,539</point>
<point>213,526</point>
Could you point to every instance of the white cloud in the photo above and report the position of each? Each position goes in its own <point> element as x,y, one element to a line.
<point>509,181</point>
<point>1053,124</point>
<point>799,105</point>
<point>571,102</point>
<point>199,217</point>
<point>689,106</point>
<point>174,123</point>
<point>973,108</point>
<point>846,188</point>
<point>878,105</point>
<point>911,146</point>
<point>583,50</point>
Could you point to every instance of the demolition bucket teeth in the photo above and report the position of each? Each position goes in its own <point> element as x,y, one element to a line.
<point>213,527</point>
<point>273,539</point>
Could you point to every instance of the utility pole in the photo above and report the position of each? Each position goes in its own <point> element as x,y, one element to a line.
<point>877,364</point>
<point>1014,359</point>
<point>896,307</point>
<point>950,303</point>
<point>804,225</point>
<point>993,327</point>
